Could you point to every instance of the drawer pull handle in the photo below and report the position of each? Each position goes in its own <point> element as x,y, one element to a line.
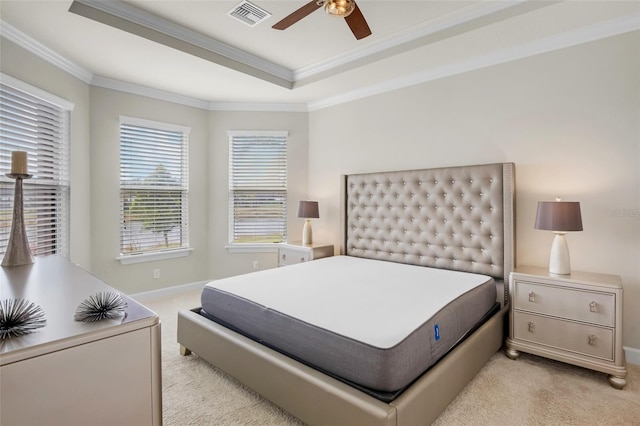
<point>532,327</point>
<point>284,256</point>
<point>593,306</point>
<point>301,259</point>
<point>532,297</point>
<point>592,339</point>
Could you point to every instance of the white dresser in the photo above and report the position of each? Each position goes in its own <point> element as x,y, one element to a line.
<point>296,252</point>
<point>573,318</point>
<point>76,373</point>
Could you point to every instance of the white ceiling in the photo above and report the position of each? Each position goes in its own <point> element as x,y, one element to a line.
<point>195,50</point>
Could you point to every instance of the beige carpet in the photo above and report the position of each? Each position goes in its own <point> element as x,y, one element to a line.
<point>529,391</point>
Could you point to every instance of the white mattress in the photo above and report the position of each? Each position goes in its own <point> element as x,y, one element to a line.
<point>374,302</point>
<point>376,325</point>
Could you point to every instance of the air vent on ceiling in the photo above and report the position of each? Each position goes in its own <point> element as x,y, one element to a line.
<point>249,13</point>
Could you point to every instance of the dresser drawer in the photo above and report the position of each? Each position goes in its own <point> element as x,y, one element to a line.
<point>583,339</point>
<point>563,302</point>
<point>291,257</point>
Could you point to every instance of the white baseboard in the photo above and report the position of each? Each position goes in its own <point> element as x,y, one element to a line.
<point>167,291</point>
<point>632,355</point>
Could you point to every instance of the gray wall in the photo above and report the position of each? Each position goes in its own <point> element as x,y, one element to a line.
<point>106,108</point>
<point>20,64</point>
<point>95,176</point>
<point>223,263</point>
<point>208,188</point>
<point>570,120</point>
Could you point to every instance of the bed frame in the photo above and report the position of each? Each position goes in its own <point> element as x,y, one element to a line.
<point>459,218</point>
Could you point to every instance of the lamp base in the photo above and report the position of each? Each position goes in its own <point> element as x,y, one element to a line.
<point>307,233</point>
<point>18,252</point>
<point>559,262</point>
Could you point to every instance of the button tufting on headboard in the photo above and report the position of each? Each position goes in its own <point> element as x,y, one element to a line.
<point>452,218</point>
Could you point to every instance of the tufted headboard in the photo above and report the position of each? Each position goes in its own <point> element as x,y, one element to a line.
<point>459,218</point>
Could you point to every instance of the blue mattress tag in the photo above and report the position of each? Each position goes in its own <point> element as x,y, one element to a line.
<point>436,331</point>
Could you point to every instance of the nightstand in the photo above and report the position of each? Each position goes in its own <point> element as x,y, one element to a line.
<point>296,252</point>
<point>574,318</point>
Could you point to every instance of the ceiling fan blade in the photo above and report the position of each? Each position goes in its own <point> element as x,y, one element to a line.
<point>358,24</point>
<point>291,19</point>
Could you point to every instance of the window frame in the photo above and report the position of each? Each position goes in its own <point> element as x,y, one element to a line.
<point>254,247</point>
<point>167,253</point>
<point>55,174</point>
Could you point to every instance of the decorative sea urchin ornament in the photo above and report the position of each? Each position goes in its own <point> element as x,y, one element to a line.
<point>19,317</point>
<point>104,305</point>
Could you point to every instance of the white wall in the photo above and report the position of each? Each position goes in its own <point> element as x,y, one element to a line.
<point>569,119</point>
<point>221,262</point>
<point>30,69</point>
<point>106,108</point>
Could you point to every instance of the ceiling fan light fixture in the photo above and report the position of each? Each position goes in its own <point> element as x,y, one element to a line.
<point>340,8</point>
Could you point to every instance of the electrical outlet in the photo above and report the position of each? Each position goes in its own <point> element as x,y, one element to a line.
<point>256,265</point>
<point>156,274</point>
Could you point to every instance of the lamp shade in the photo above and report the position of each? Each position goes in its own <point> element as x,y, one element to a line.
<point>559,216</point>
<point>308,209</point>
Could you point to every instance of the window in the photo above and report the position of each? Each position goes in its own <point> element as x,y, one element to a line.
<point>37,122</point>
<point>154,188</point>
<point>257,187</point>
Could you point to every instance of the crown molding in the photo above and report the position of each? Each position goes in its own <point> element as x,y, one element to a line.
<point>133,17</point>
<point>424,30</point>
<point>583,35</point>
<point>149,92</point>
<point>258,106</point>
<point>21,39</point>
<point>16,36</point>
<point>137,21</point>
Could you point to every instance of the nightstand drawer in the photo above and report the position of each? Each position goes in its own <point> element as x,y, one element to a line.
<point>291,257</point>
<point>565,335</point>
<point>296,252</point>
<point>591,307</point>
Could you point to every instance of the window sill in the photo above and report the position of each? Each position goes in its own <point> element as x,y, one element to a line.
<point>253,248</point>
<point>152,257</point>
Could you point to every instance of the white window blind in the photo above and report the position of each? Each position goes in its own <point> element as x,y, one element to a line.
<point>154,187</point>
<point>257,187</point>
<point>40,127</point>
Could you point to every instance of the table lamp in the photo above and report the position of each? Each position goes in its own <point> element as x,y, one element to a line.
<point>559,217</point>
<point>18,251</point>
<point>308,210</point>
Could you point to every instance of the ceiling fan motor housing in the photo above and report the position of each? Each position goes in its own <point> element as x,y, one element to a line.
<point>347,9</point>
<point>340,8</point>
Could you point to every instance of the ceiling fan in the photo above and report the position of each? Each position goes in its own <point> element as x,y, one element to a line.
<point>347,9</point>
